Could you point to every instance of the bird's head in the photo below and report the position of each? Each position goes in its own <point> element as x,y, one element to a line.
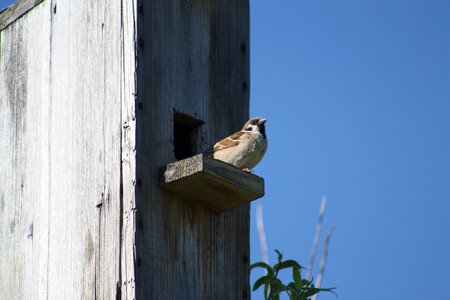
<point>256,125</point>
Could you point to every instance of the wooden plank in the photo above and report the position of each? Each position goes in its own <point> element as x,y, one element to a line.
<point>86,134</point>
<point>192,57</point>
<point>64,100</point>
<point>16,10</point>
<point>211,183</point>
<point>126,285</point>
<point>24,156</point>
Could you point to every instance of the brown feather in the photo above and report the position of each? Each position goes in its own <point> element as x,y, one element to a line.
<point>228,142</point>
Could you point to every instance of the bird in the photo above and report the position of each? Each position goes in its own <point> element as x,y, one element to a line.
<point>243,149</point>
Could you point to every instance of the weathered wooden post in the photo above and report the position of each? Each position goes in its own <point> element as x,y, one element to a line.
<point>97,98</point>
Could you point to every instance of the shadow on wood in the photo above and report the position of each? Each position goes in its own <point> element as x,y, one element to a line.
<point>213,183</point>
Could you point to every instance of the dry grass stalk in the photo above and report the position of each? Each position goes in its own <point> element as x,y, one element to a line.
<point>323,262</point>
<point>312,258</point>
<point>262,233</point>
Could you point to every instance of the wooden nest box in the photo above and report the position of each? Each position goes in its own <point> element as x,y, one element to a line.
<point>97,96</point>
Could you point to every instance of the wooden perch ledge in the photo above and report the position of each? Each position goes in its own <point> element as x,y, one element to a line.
<point>211,182</point>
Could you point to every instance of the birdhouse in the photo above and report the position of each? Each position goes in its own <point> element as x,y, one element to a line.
<point>104,106</point>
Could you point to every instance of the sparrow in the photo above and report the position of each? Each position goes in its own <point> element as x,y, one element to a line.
<point>243,149</point>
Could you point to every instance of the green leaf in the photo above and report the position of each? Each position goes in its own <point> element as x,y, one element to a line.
<point>294,294</point>
<point>296,276</point>
<point>277,284</point>
<point>293,290</point>
<point>286,264</point>
<point>276,287</point>
<point>306,283</point>
<point>266,292</point>
<point>280,255</point>
<point>262,265</point>
<point>330,290</point>
<point>274,291</point>
<point>311,291</point>
<point>263,280</point>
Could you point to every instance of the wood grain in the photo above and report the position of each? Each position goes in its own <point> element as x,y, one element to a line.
<point>190,59</point>
<point>25,183</point>
<point>67,108</point>
<point>127,224</point>
<point>88,91</point>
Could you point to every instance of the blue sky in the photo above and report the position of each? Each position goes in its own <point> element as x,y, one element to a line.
<point>357,97</point>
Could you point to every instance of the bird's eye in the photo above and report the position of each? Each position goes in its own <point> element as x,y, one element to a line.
<point>254,122</point>
<point>249,128</point>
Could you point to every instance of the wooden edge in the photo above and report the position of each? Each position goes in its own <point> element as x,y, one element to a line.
<point>16,10</point>
<point>234,175</point>
<point>181,168</point>
<point>203,163</point>
<point>201,178</point>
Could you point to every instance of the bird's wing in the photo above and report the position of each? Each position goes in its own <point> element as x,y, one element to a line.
<point>228,142</point>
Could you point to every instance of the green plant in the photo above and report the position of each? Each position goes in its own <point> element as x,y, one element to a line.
<point>298,289</point>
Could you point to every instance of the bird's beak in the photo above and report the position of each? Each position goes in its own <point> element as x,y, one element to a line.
<point>262,121</point>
